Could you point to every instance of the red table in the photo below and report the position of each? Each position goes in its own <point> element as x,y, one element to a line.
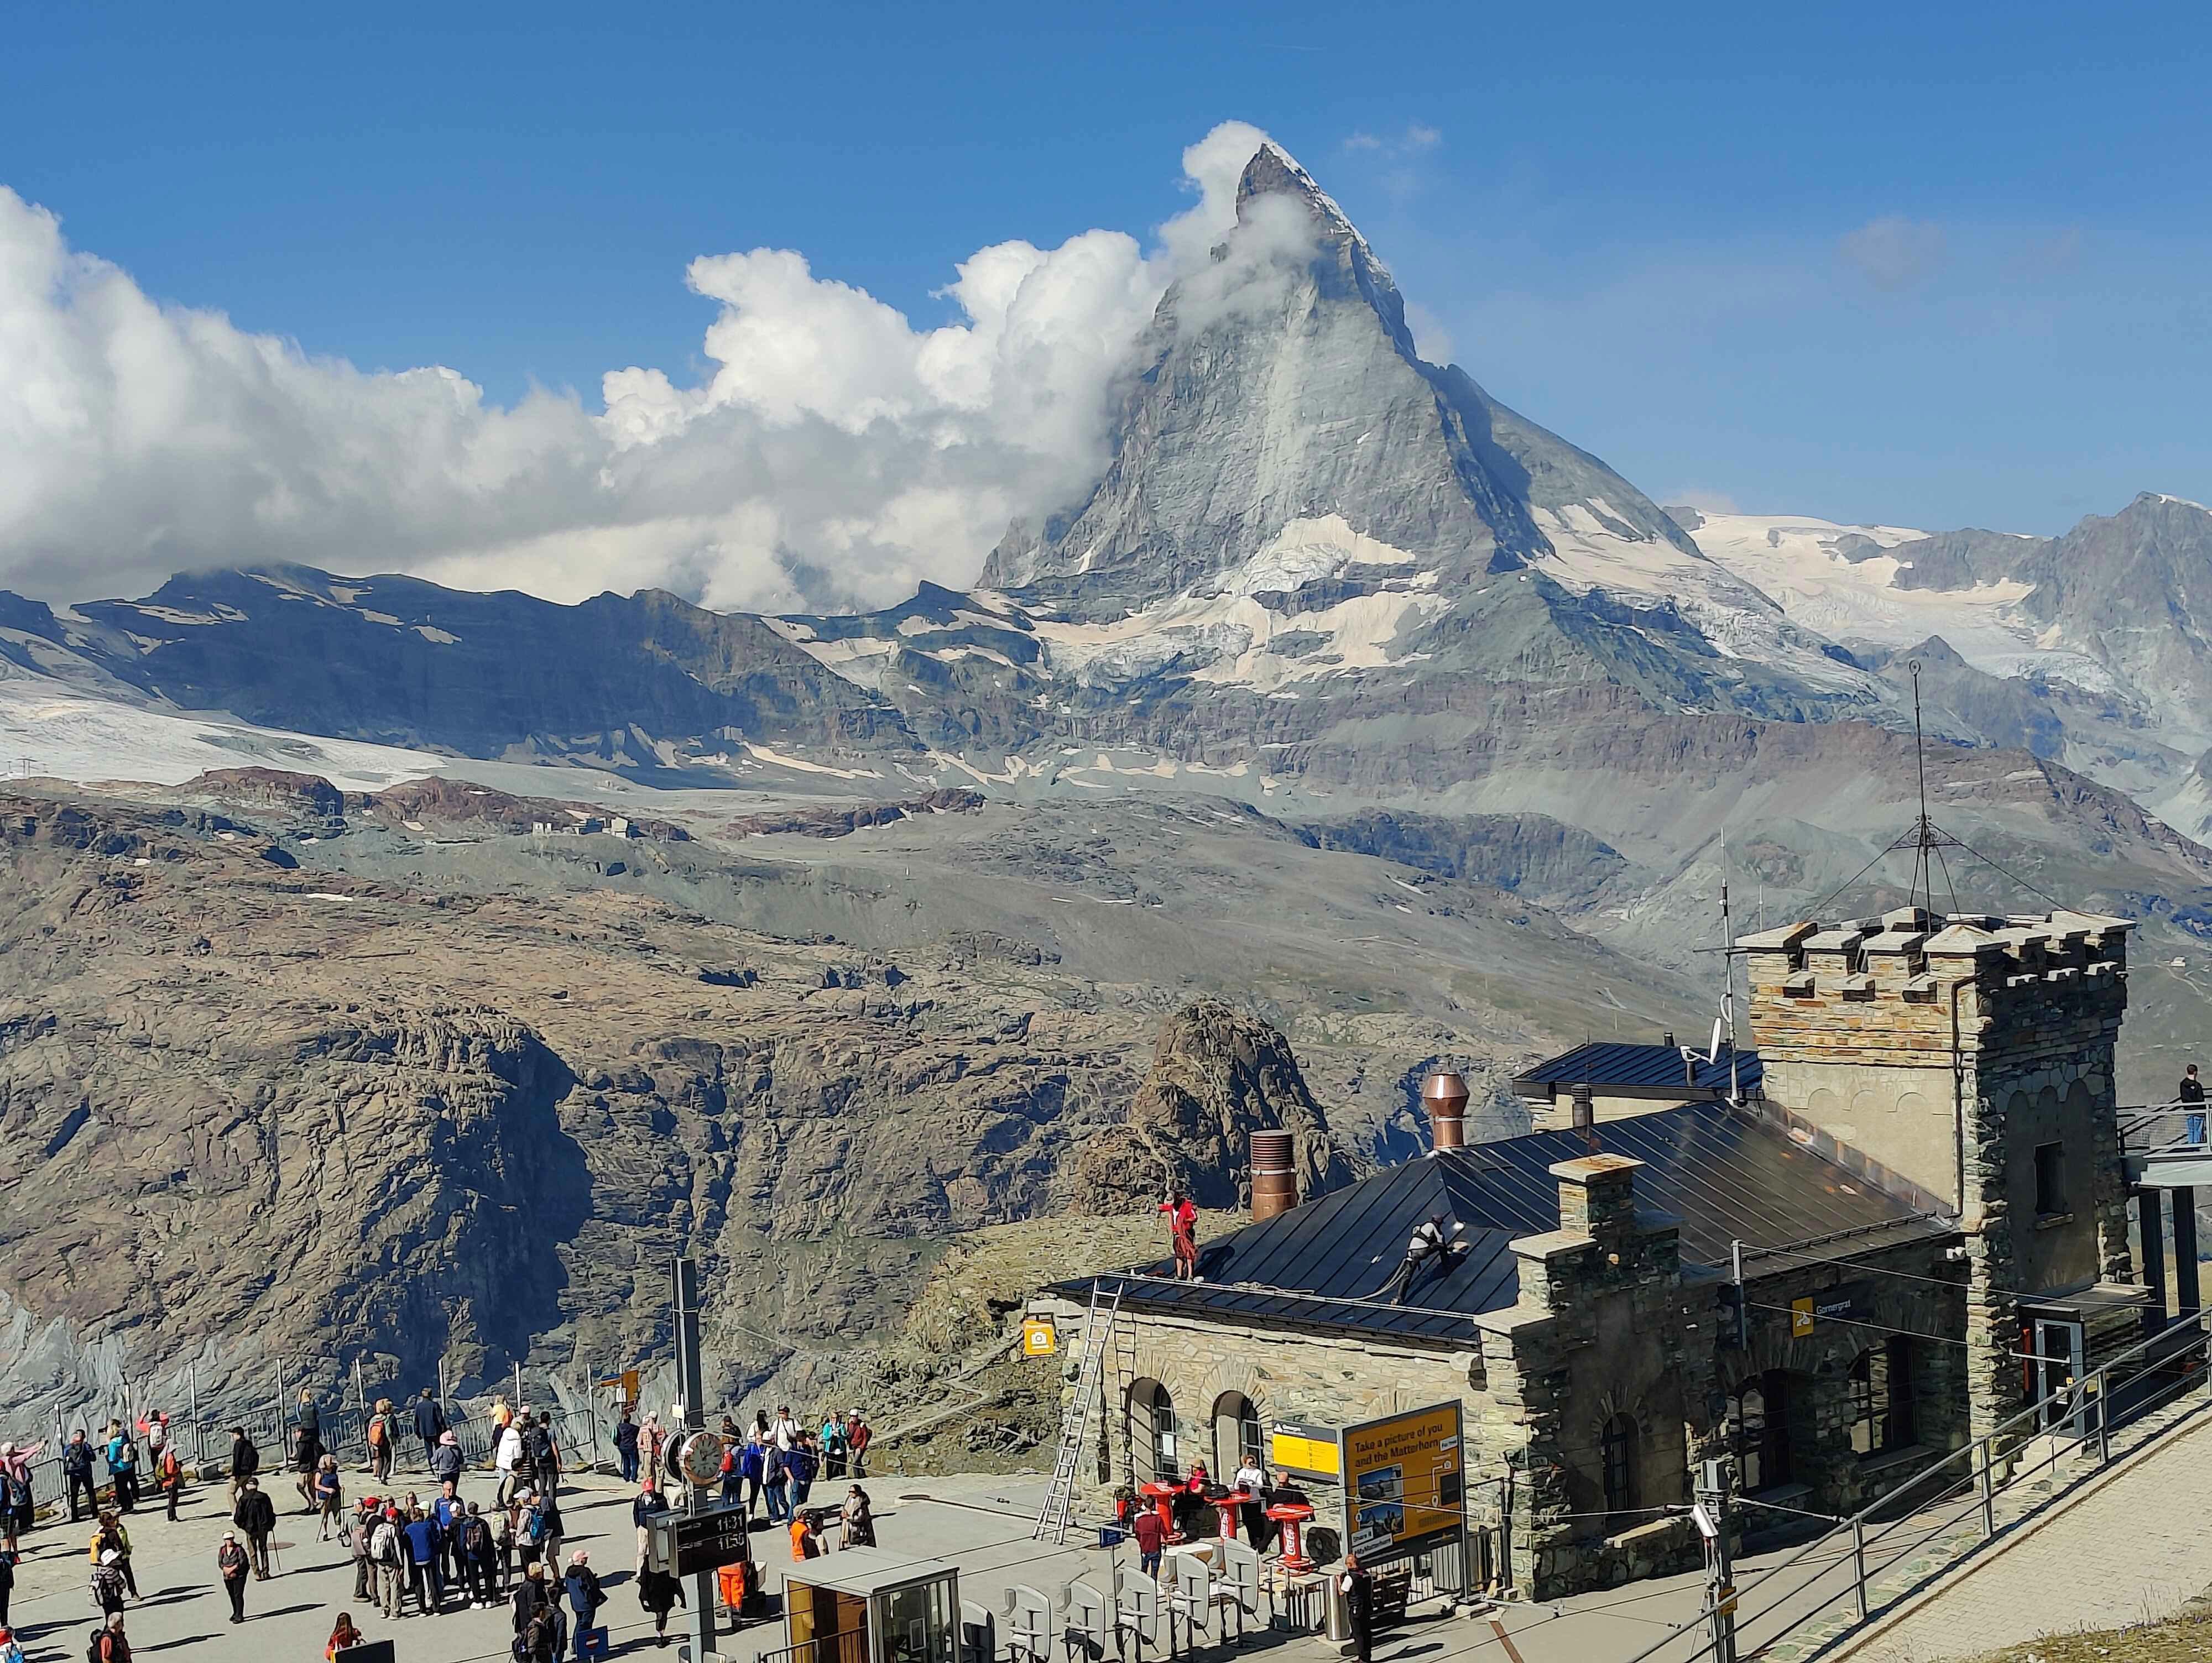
<point>1230,1506</point>
<point>1162,1496</point>
<point>1292,1516</point>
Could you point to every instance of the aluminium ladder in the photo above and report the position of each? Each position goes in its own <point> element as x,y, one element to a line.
<point>1058,1511</point>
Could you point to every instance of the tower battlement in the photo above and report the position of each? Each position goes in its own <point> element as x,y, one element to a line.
<point>1913,988</point>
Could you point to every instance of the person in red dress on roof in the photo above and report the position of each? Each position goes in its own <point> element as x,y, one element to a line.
<point>1182,1226</point>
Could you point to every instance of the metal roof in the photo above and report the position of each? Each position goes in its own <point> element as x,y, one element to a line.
<point>1655,1066</point>
<point>1728,1174</point>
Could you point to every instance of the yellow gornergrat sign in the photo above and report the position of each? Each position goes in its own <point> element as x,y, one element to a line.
<point>1404,1490</point>
<point>1801,1318</point>
<point>1039,1338</point>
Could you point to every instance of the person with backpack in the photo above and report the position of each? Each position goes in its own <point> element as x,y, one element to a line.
<point>479,1559</point>
<point>109,1644</point>
<point>381,1431</point>
<point>123,1466</point>
<point>529,1598</point>
<point>231,1561</point>
<point>112,1538</point>
<point>732,1472</point>
<point>244,1461</point>
<point>11,1649</point>
<point>546,1455</point>
<point>584,1597</point>
<point>388,1549</point>
<point>429,1422</point>
<point>833,1445</point>
<point>169,1476</point>
<point>108,1583</point>
<point>76,1473</point>
<point>543,1529</point>
<point>360,1530</point>
<point>541,1639</point>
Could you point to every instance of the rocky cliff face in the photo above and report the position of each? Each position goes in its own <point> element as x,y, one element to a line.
<point>1217,1076</point>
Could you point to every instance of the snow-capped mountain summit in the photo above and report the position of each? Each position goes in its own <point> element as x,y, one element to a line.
<point>1295,493</point>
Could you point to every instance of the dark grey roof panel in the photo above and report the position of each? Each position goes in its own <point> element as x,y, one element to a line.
<point>1728,1175</point>
<point>1657,1068</point>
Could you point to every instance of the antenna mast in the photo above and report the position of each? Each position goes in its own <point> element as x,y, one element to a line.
<point>1923,839</point>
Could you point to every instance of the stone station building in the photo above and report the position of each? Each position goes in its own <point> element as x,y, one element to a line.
<point>1917,1172</point>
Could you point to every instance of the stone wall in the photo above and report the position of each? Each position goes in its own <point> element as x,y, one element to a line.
<point>1995,1034</point>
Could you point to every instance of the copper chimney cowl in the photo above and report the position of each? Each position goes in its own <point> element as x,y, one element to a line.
<point>1274,1175</point>
<point>1445,1097</point>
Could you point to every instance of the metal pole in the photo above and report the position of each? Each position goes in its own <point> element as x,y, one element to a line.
<point>690,1382</point>
<point>193,1397</point>
<point>1858,1564</point>
<point>1988,1497</point>
<point>1720,1589</point>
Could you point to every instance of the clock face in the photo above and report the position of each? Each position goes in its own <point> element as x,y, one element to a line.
<point>702,1457</point>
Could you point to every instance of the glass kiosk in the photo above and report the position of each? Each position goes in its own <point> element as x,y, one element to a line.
<point>871,1604</point>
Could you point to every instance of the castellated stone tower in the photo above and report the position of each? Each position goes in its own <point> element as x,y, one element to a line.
<point>1970,1059</point>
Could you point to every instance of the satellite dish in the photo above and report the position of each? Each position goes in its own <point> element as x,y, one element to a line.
<point>702,1457</point>
<point>1713,1050</point>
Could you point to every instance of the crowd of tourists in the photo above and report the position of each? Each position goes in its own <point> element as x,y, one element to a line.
<point>427,1550</point>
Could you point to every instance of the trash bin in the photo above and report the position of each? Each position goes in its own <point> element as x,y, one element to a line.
<point>1336,1610</point>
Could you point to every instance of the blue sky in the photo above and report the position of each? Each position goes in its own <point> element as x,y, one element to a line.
<point>1933,265</point>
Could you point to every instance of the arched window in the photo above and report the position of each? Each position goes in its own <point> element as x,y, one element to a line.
<point>1153,1433</point>
<point>1617,1446</point>
<point>1235,1434</point>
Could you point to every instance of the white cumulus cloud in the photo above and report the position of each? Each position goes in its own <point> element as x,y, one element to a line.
<point>836,454</point>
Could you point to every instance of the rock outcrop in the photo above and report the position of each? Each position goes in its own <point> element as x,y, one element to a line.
<point>1217,1076</point>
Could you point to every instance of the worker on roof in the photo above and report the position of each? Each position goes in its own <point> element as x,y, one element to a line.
<point>1182,1231</point>
<point>1434,1239</point>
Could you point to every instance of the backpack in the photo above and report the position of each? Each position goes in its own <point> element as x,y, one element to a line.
<point>376,1431</point>
<point>541,1446</point>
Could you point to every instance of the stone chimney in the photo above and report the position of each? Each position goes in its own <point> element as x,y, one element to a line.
<point>1274,1175</point>
<point>1445,1097</point>
<point>1597,1196</point>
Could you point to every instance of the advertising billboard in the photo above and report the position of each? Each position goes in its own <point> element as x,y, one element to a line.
<point>1404,1489</point>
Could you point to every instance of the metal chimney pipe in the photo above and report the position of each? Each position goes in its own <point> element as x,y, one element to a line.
<point>1445,1097</point>
<point>1584,1110</point>
<point>1274,1175</point>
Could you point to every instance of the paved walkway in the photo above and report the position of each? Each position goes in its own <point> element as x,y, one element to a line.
<point>2132,1548</point>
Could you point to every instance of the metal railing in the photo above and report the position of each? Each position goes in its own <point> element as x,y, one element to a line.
<point>205,1439</point>
<point>1845,1563</point>
<point>2153,1128</point>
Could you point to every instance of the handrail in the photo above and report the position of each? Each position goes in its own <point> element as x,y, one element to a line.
<point>1979,1456</point>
